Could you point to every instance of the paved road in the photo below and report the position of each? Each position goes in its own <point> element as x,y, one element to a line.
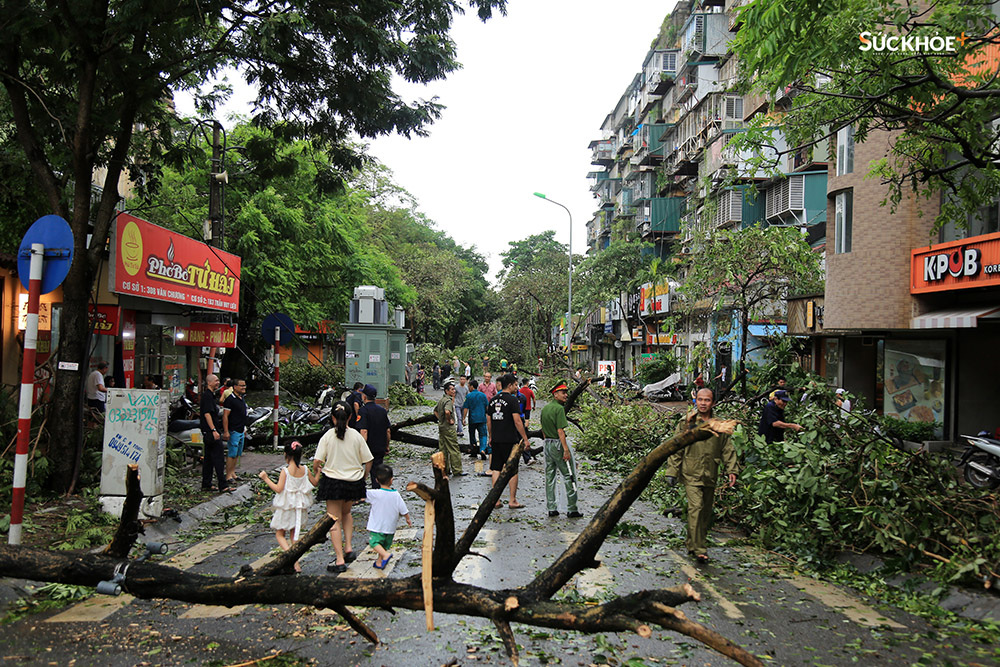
<point>792,619</point>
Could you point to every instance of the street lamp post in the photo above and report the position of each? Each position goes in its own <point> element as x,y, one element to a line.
<point>569,301</point>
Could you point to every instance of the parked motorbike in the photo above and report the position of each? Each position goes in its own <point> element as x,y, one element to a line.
<point>667,389</point>
<point>183,409</point>
<point>982,461</point>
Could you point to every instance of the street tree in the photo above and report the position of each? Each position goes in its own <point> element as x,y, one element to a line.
<point>302,236</point>
<point>750,271</point>
<point>617,269</point>
<point>533,289</point>
<point>88,84</point>
<point>927,72</point>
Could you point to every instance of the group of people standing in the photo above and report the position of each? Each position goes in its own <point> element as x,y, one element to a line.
<point>223,430</point>
<point>497,414</point>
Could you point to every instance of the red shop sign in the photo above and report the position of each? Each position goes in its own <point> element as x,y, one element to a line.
<point>205,334</point>
<point>972,262</point>
<point>106,319</point>
<point>156,263</point>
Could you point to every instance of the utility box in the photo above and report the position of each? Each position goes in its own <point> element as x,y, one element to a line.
<point>135,432</point>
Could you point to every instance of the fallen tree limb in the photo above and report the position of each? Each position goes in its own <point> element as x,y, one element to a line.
<point>531,604</point>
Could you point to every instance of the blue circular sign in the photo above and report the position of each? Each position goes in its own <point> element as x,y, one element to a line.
<point>54,233</point>
<point>283,322</point>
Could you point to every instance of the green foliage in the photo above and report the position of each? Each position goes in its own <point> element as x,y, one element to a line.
<point>749,270</point>
<point>945,142</point>
<point>87,527</point>
<point>837,485</point>
<point>907,430</point>
<point>619,436</point>
<point>303,380</point>
<point>656,369</point>
<point>401,395</point>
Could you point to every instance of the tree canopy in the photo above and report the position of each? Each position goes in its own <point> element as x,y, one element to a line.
<point>89,85</point>
<point>846,63</point>
<point>750,271</point>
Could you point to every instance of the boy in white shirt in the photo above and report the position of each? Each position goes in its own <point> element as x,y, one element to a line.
<point>387,507</point>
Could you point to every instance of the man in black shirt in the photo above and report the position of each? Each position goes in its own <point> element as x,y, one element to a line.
<point>375,429</point>
<point>772,421</point>
<point>210,425</point>
<point>505,428</point>
<point>234,424</point>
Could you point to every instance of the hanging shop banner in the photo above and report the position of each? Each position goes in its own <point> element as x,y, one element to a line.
<point>661,338</point>
<point>156,263</point>
<point>205,334</point>
<point>654,300</point>
<point>106,319</point>
<point>972,262</point>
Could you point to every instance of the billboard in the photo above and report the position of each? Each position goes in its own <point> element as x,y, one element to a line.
<point>155,263</point>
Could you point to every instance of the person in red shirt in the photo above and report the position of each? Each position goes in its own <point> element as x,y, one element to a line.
<point>529,403</point>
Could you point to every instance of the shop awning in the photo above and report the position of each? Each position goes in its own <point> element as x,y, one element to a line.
<point>766,330</point>
<point>955,318</point>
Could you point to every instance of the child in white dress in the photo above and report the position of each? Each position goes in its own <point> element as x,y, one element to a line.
<point>293,496</point>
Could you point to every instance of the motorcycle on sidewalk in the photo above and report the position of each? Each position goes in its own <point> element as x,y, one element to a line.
<point>982,461</point>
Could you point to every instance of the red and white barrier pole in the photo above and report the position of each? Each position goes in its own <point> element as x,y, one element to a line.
<point>27,394</point>
<point>277,365</point>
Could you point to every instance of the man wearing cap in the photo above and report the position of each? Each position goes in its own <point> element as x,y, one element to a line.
<point>698,467</point>
<point>843,402</point>
<point>772,422</point>
<point>375,428</point>
<point>557,453</point>
<point>447,436</point>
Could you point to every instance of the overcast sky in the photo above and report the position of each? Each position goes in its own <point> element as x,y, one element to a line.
<point>533,91</point>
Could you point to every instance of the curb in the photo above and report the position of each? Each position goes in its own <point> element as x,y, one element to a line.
<point>968,603</point>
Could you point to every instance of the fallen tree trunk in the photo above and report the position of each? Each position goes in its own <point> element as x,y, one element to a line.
<point>530,605</point>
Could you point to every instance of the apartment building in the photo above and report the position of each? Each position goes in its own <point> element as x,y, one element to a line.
<point>665,171</point>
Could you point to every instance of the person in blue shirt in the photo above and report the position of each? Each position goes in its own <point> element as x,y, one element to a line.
<point>474,409</point>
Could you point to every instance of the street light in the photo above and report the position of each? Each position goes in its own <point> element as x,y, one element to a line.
<point>569,305</point>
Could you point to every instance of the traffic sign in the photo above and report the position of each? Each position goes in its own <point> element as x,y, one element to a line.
<point>282,321</point>
<point>54,233</point>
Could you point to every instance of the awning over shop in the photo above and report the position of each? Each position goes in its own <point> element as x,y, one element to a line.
<point>766,330</point>
<point>955,318</point>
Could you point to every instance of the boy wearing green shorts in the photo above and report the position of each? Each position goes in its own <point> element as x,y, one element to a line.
<point>387,507</point>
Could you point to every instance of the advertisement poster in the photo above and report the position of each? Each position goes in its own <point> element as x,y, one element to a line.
<point>915,382</point>
<point>607,368</point>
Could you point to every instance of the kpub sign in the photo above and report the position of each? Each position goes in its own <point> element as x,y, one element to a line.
<point>964,264</point>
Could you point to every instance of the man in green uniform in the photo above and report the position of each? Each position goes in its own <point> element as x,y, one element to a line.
<point>447,436</point>
<point>557,453</point>
<point>698,465</point>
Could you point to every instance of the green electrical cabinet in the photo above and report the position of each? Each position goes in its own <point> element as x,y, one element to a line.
<point>375,354</point>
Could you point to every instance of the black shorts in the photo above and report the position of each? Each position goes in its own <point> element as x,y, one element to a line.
<point>501,452</point>
<point>338,489</point>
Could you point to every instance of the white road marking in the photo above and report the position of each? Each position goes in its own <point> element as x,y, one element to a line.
<point>100,607</point>
<point>728,608</point>
<point>835,598</point>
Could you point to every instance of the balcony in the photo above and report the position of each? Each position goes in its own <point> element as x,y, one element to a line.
<point>603,151</point>
<point>706,36</point>
<point>647,142</point>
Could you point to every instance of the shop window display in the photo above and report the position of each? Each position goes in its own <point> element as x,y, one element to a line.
<point>914,382</point>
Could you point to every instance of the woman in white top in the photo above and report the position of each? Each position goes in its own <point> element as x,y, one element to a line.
<point>344,459</point>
